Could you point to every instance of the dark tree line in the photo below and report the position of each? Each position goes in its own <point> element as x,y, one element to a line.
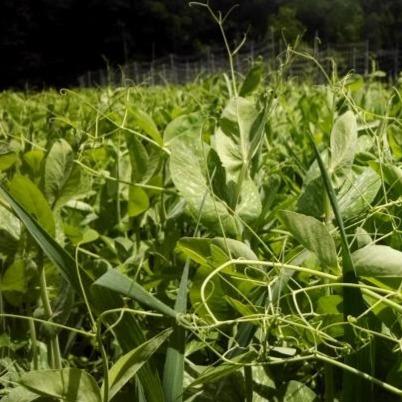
<point>51,42</point>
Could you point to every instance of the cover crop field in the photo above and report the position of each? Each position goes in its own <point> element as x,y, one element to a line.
<point>235,239</point>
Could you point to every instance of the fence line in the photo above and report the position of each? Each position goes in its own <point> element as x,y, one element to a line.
<point>179,69</point>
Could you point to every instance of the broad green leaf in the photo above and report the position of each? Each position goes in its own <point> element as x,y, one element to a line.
<point>249,206</point>
<point>187,124</point>
<point>21,394</point>
<point>58,166</point>
<point>362,237</point>
<point>63,180</point>
<point>69,384</point>
<point>138,156</point>
<point>32,199</point>
<point>358,193</point>
<point>138,201</point>
<point>9,223</point>
<point>146,123</point>
<point>189,174</point>
<point>252,80</point>
<point>14,279</point>
<point>33,160</point>
<point>239,136</point>
<point>7,160</point>
<point>313,235</point>
<point>128,365</point>
<point>117,282</point>
<point>295,391</point>
<point>343,141</point>
<point>199,249</point>
<point>311,200</point>
<point>89,236</point>
<point>377,260</point>
<point>330,304</point>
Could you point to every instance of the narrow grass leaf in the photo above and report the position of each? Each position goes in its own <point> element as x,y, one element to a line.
<point>128,365</point>
<point>173,372</point>
<point>122,284</point>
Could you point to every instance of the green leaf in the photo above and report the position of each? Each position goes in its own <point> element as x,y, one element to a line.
<point>33,159</point>
<point>69,384</point>
<point>249,206</point>
<point>146,123</point>
<point>89,236</point>
<point>14,279</point>
<point>58,167</point>
<point>188,168</point>
<point>239,136</point>
<point>313,235</point>
<point>362,237</point>
<point>128,365</point>
<point>189,124</point>
<point>117,282</point>
<point>200,249</point>
<point>295,391</point>
<point>377,260</point>
<point>343,142</point>
<point>330,304</point>
<point>9,223</point>
<point>252,80</point>
<point>32,199</point>
<point>213,374</point>
<point>128,332</point>
<point>7,160</point>
<point>392,175</point>
<point>358,193</point>
<point>138,201</point>
<point>50,247</point>
<point>173,372</point>
<point>21,394</point>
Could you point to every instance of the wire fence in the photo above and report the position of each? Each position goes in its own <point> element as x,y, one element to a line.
<point>178,69</point>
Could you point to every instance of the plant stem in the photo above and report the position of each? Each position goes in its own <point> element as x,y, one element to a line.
<point>32,331</point>
<point>54,342</point>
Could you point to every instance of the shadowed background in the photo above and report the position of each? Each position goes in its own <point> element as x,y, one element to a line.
<point>52,42</point>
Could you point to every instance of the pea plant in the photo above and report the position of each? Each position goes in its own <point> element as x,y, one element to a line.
<point>235,239</point>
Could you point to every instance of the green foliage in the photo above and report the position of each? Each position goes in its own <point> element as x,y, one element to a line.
<point>184,243</point>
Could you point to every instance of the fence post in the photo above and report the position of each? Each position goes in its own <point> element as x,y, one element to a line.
<point>366,58</point>
<point>187,71</point>
<point>135,71</point>
<point>172,69</point>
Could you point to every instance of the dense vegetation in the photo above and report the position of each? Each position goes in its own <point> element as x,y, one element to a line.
<point>53,42</point>
<point>235,239</point>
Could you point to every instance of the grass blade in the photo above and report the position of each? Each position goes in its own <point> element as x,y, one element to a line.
<point>128,332</point>
<point>353,388</point>
<point>117,282</point>
<point>174,364</point>
<point>128,365</point>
